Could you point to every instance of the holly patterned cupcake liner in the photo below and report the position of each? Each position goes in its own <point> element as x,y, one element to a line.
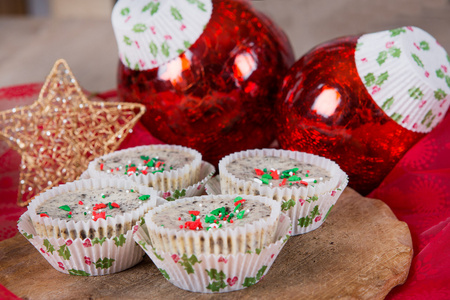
<point>307,213</point>
<point>215,273</point>
<point>169,180</point>
<point>88,257</point>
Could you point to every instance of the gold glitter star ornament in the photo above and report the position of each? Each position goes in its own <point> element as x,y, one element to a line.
<point>62,131</point>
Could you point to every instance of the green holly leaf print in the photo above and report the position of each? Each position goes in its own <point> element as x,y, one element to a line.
<point>64,252</point>
<point>415,93</point>
<point>257,251</point>
<point>187,263</point>
<point>286,238</point>
<point>447,80</point>
<point>424,45</point>
<point>139,27</point>
<point>287,204</point>
<point>312,199</point>
<point>358,46</point>
<point>308,220</point>
<point>187,44</point>
<point>49,246</point>
<point>104,263</point>
<point>440,73</point>
<point>395,32</point>
<point>127,61</point>
<point>439,94</point>
<point>382,56</point>
<point>382,78</point>
<point>176,14</point>
<point>27,236</point>
<point>177,195</point>
<point>165,49</point>
<point>396,117</point>
<point>158,256</point>
<point>180,51</point>
<point>201,6</point>
<point>427,117</point>
<point>215,286</point>
<point>125,11</point>
<point>154,9</point>
<point>369,79</point>
<point>260,272</point>
<point>153,49</point>
<point>119,241</point>
<point>78,272</point>
<point>142,221</point>
<point>127,40</point>
<point>136,67</point>
<point>328,212</point>
<point>417,60</point>
<point>395,52</point>
<point>98,241</point>
<point>142,243</point>
<point>214,275</point>
<point>249,281</point>
<point>164,273</point>
<point>388,103</point>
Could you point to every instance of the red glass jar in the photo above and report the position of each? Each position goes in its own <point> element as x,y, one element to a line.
<point>218,96</point>
<point>324,108</point>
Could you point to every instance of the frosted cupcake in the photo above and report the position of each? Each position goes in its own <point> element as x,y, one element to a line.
<point>306,185</point>
<point>84,227</point>
<point>214,243</point>
<point>163,167</point>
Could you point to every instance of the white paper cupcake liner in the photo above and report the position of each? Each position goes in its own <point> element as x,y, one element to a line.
<point>215,273</point>
<point>88,257</point>
<point>151,33</point>
<point>49,227</point>
<point>250,237</point>
<point>169,180</point>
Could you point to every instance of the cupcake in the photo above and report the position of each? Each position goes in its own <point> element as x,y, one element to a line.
<point>84,227</point>
<point>162,167</point>
<point>214,243</point>
<point>306,185</point>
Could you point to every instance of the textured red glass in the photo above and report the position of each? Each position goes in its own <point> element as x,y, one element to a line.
<point>218,97</point>
<point>324,108</point>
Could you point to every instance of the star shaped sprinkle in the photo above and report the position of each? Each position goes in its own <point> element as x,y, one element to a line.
<point>59,134</point>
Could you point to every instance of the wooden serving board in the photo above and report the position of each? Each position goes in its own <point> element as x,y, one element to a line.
<point>361,251</point>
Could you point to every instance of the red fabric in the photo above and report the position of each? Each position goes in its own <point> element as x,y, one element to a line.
<point>417,190</point>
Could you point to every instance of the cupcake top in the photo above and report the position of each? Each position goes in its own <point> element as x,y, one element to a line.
<point>95,203</point>
<point>212,213</point>
<point>145,160</point>
<point>276,171</point>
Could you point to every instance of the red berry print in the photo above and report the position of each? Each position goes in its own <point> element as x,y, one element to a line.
<point>61,265</point>
<point>175,258</point>
<point>87,243</point>
<point>69,242</point>
<point>231,282</point>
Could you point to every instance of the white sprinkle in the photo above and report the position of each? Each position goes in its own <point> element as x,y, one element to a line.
<point>87,207</point>
<point>248,210</point>
<point>108,171</point>
<point>30,188</point>
<point>42,149</point>
<point>198,217</point>
<point>320,178</point>
<point>196,228</point>
<point>127,191</point>
<point>14,110</point>
<point>81,105</point>
<point>130,131</point>
<point>29,115</point>
<point>119,136</point>
<point>22,181</point>
<point>257,180</point>
<point>200,205</point>
<point>49,182</point>
<point>119,106</point>
<point>309,179</point>
<point>290,173</point>
<point>48,133</point>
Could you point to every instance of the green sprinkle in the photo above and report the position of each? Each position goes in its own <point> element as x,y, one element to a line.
<point>294,178</point>
<point>208,228</point>
<point>265,170</point>
<point>144,197</point>
<point>217,211</point>
<point>237,199</point>
<point>132,190</point>
<point>194,217</point>
<point>267,176</point>
<point>290,170</point>
<point>103,196</point>
<point>44,212</point>
<point>162,225</point>
<point>143,157</point>
<point>69,216</point>
<point>265,180</point>
<point>85,213</point>
<point>240,215</point>
<point>229,217</point>
<point>237,207</point>
<point>158,171</point>
<point>315,181</point>
<point>65,207</point>
<point>306,175</point>
<point>209,219</point>
<point>108,216</point>
<point>171,168</point>
<point>110,206</point>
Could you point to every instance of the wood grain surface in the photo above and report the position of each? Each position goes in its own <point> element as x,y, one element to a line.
<point>361,251</point>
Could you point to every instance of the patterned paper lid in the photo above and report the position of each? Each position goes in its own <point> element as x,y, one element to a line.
<point>406,71</point>
<point>151,32</point>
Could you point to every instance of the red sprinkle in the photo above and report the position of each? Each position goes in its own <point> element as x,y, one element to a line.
<point>238,202</point>
<point>283,182</point>
<point>44,215</point>
<point>193,225</point>
<point>97,216</point>
<point>99,206</point>
<point>231,221</point>
<point>194,212</point>
<point>158,164</point>
<point>80,202</point>
<point>114,204</point>
<point>132,169</point>
<point>181,226</point>
<point>70,212</point>
<point>304,183</point>
<point>259,172</point>
<point>179,219</point>
<point>274,175</point>
<point>307,171</point>
<point>117,169</point>
<point>144,172</point>
<point>101,167</point>
<point>112,170</point>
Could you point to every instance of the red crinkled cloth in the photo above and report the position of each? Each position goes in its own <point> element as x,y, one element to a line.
<point>417,190</point>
